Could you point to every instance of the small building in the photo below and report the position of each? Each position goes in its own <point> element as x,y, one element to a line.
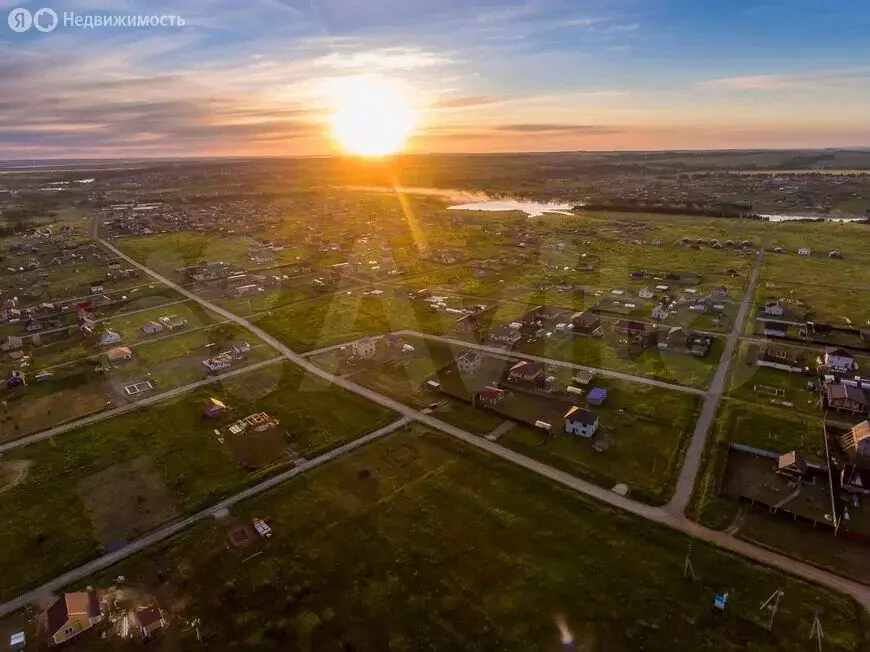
<point>839,360</point>
<point>109,338</point>
<point>584,377</point>
<point>596,396</point>
<point>152,327</point>
<point>585,322</point>
<point>214,407</point>
<point>15,379</point>
<point>505,335</point>
<point>150,620</point>
<point>364,348</point>
<point>72,614</point>
<point>119,354</point>
<point>719,292</point>
<point>805,251</point>
<point>791,465</point>
<point>241,348</point>
<point>835,254</point>
<point>469,363</point>
<point>635,329</point>
<point>12,343</point>
<point>645,293</point>
<point>526,371</point>
<point>490,396</point>
<point>773,308</point>
<point>217,363</point>
<point>845,398</point>
<point>779,358</point>
<point>581,422</point>
<point>856,442</point>
<point>660,312</point>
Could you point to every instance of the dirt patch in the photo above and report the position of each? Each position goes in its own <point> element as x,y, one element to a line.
<point>127,500</point>
<point>13,473</point>
<point>52,410</point>
<point>255,450</point>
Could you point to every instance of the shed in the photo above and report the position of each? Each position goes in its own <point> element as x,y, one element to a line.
<point>214,407</point>
<point>596,396</point>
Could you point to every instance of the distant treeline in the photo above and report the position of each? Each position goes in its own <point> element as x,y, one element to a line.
<point>723,210</point>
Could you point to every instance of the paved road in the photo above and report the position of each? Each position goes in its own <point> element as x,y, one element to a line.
<point>154,398</point>
<point>663,516</point>
<point>694,454</point>
<point>167,531</point>
<point>493,350</point>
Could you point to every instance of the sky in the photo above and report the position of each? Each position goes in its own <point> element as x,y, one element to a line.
<point>259,77</point>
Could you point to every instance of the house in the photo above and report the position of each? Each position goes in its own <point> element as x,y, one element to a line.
<point>778,358</point>
<point>636,276</point>
<point>732,272</point>
<point>660,312</point>
<point>241,348</point>
<point>581,422</point>
<point>15,379</point>
<point>791,465</point>
<point>152,327</point>
<point>17,642</point>
<point>72,614</point>
<point>775,329</point>
<point>469,363</point>
<point>364,348</point>
<point>645,293</point>
<point>597,396</point>
<point>857,441</point>
<point>773,308</point>
<point>835,254</point>
<point>805,251</point>
<point>214,407</point>
<point>33,325</point>
<point>680,340</point>
<point>490,396</point>
<point>96,289</point>
<point>150,620</point>
<point>505,335</point>
<point>109,338</point>
<point>217,363</point>
<point>632,328</point>
<point>845,398</point>
<point>119,354</point>
<point>839,361</point>
<point>526,371</point>
<point>778,250</point>
<point>585,322</point>
<point>719,292</point>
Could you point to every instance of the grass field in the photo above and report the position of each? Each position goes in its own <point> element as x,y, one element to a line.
<point>455,556</point>
<point>47,529</point>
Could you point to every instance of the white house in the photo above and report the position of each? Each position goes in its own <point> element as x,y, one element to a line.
<point>364,348</point>
<point>839,360</point>
<point>645,293</point>
<point>773,308</point>
<point>110,338</point>
<point>152,327</point>
<point>581,422</point>
<point>660,312</point>
<point>469,363</point>
<point>804,251</point>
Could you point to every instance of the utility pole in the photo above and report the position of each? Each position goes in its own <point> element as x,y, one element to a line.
<point>687,566</point>
<point>816,632</point>
<point>772,605</point>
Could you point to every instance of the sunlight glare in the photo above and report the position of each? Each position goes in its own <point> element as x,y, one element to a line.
<point>371,117</point>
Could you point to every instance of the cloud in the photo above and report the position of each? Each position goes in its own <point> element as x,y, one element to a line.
<point>383,59</point>
<point>621,28</point>
<point>554,128</point>
<point>807,79</point>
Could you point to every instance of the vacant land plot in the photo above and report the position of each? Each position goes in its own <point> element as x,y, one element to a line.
<point>126,500</point>
<point>13,473</point>
<point>167,252</point>
<point>43,412</point>
<point>769,386</point>
<point>46,532</point>
<point>456,557</point>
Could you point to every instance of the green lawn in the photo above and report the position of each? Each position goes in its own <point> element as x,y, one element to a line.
<point>417,543</point>
<point>46,527</point>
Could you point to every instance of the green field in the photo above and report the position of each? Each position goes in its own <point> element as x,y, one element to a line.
<point>416,543</point>
<point>47,529</point>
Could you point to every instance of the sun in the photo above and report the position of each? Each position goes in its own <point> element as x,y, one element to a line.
<point>371,117</point>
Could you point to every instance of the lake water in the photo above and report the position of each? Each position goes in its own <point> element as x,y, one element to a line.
<point>800,218</point>
<point>530,208</point>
